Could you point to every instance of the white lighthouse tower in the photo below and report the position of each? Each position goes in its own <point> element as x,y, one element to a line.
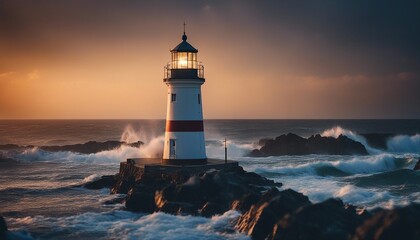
<point>184,134</point>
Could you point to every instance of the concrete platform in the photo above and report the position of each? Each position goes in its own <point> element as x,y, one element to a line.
<point>156,165</point>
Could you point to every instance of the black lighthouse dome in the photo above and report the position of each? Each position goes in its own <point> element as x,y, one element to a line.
<point>184,46</point>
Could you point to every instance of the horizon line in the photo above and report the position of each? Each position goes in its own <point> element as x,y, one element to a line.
<point>163,119</point>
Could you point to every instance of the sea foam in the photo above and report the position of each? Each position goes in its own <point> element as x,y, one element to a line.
<point>399,143</point>
<point>404,143</point>
<point>356,165</point>
<point>337,131</point>
<point>118,224</point>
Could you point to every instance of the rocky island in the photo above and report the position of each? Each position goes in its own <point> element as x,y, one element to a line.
<point>266,211</point>
<point>292,144</point>
<point>86,148</point>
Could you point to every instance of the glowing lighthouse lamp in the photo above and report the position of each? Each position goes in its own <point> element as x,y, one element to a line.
<point>184,134</point>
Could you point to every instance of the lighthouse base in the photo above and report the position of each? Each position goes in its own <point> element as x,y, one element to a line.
<point>159,166</point>
<point>185,161</point>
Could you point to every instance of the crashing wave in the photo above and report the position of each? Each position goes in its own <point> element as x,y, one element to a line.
<point>404,143</point>
<point>357,165</point>
<point>393,143</point>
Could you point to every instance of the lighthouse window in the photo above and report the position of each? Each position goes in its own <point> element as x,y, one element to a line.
<point>199,98</point>
<point>173,97</point>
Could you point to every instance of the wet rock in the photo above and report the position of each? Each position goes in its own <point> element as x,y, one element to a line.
<point>3,228</point>
<point>244,204</point>
<point>117,200</point>
<point>10,147</point>
<point>207,193</point>
<point>126,178</point>
<point>141,199</point>
<point>417,167</point>
<point>260,219</point>
<point>178,208</point>
<point>330,219</point>
<point>106,181</point>
<point>210,209</point>
<point>91,146</point>
<point>399,223</point>
<point>292,144</point>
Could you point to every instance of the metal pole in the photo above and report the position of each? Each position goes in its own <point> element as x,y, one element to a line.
<point>225,152</point>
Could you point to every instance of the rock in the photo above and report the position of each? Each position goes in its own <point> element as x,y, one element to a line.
<point>263,141</point>
<point>330,219</point>
<point>106,181</point>
<point>292,144</point>
<point>141,199</point>
<point>86,148</point>
<point>399,223</point>
<point>260,219</point>
<point>126,178</point>
<point>417,167</point>
<point>117,200</point>
<point>3,228</point>
<point>208,193</point>
<point>244,204</point>
<point>10,147</point>
<point>90,147</point>
<point>210,209</point>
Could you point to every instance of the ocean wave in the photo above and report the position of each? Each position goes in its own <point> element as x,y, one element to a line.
<point>91,178</point>
<point>398,143</point>
<point>111,156</point>
<point>118,224</point>
<point>362,197</point>
<point>337,131</point>
<point>151,149</point>
<point>216,149</point>
<point>357,165</point>
<point>404,143</point>
<point>399,177</point>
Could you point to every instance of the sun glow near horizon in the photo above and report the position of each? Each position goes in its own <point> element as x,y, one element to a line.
<point>110,65</point>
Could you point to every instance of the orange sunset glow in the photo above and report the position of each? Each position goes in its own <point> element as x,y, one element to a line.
<point>76,60</point>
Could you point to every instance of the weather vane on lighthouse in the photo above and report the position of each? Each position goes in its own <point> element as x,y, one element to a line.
<point>184,133</point>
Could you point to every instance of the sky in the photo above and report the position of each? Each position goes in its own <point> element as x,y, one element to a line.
<point>271,59</point>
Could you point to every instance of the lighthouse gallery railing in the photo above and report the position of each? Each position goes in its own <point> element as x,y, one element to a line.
<point>168,70</point>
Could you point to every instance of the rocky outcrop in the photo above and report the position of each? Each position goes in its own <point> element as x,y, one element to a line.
<point>106,181</point>
<point>207,194</point>
<point>330,219</point>
<point>12,147</point>
<point>399,223</point>
<point>417,167</point>
<point>86,148</point>
<point>259,220</point>
<point>126,179</point>
<point>3,228</point>
<point>292,144</point>
<point>266,212</point>
<point>90,147</point>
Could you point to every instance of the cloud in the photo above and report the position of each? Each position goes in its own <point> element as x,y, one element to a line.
<point>367,96</point>
<point>34,75</point>
<point>5,74</point>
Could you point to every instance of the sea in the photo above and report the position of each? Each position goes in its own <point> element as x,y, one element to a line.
<point>40,197</point>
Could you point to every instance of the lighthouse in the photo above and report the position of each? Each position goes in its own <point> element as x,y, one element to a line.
<point>184,131</point>
<point>184,145</point>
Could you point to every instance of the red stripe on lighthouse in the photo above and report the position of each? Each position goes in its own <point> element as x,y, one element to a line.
<point>184,126</point>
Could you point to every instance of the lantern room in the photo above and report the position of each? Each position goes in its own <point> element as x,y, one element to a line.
<point>184,63</point>
<point>184,56</point>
